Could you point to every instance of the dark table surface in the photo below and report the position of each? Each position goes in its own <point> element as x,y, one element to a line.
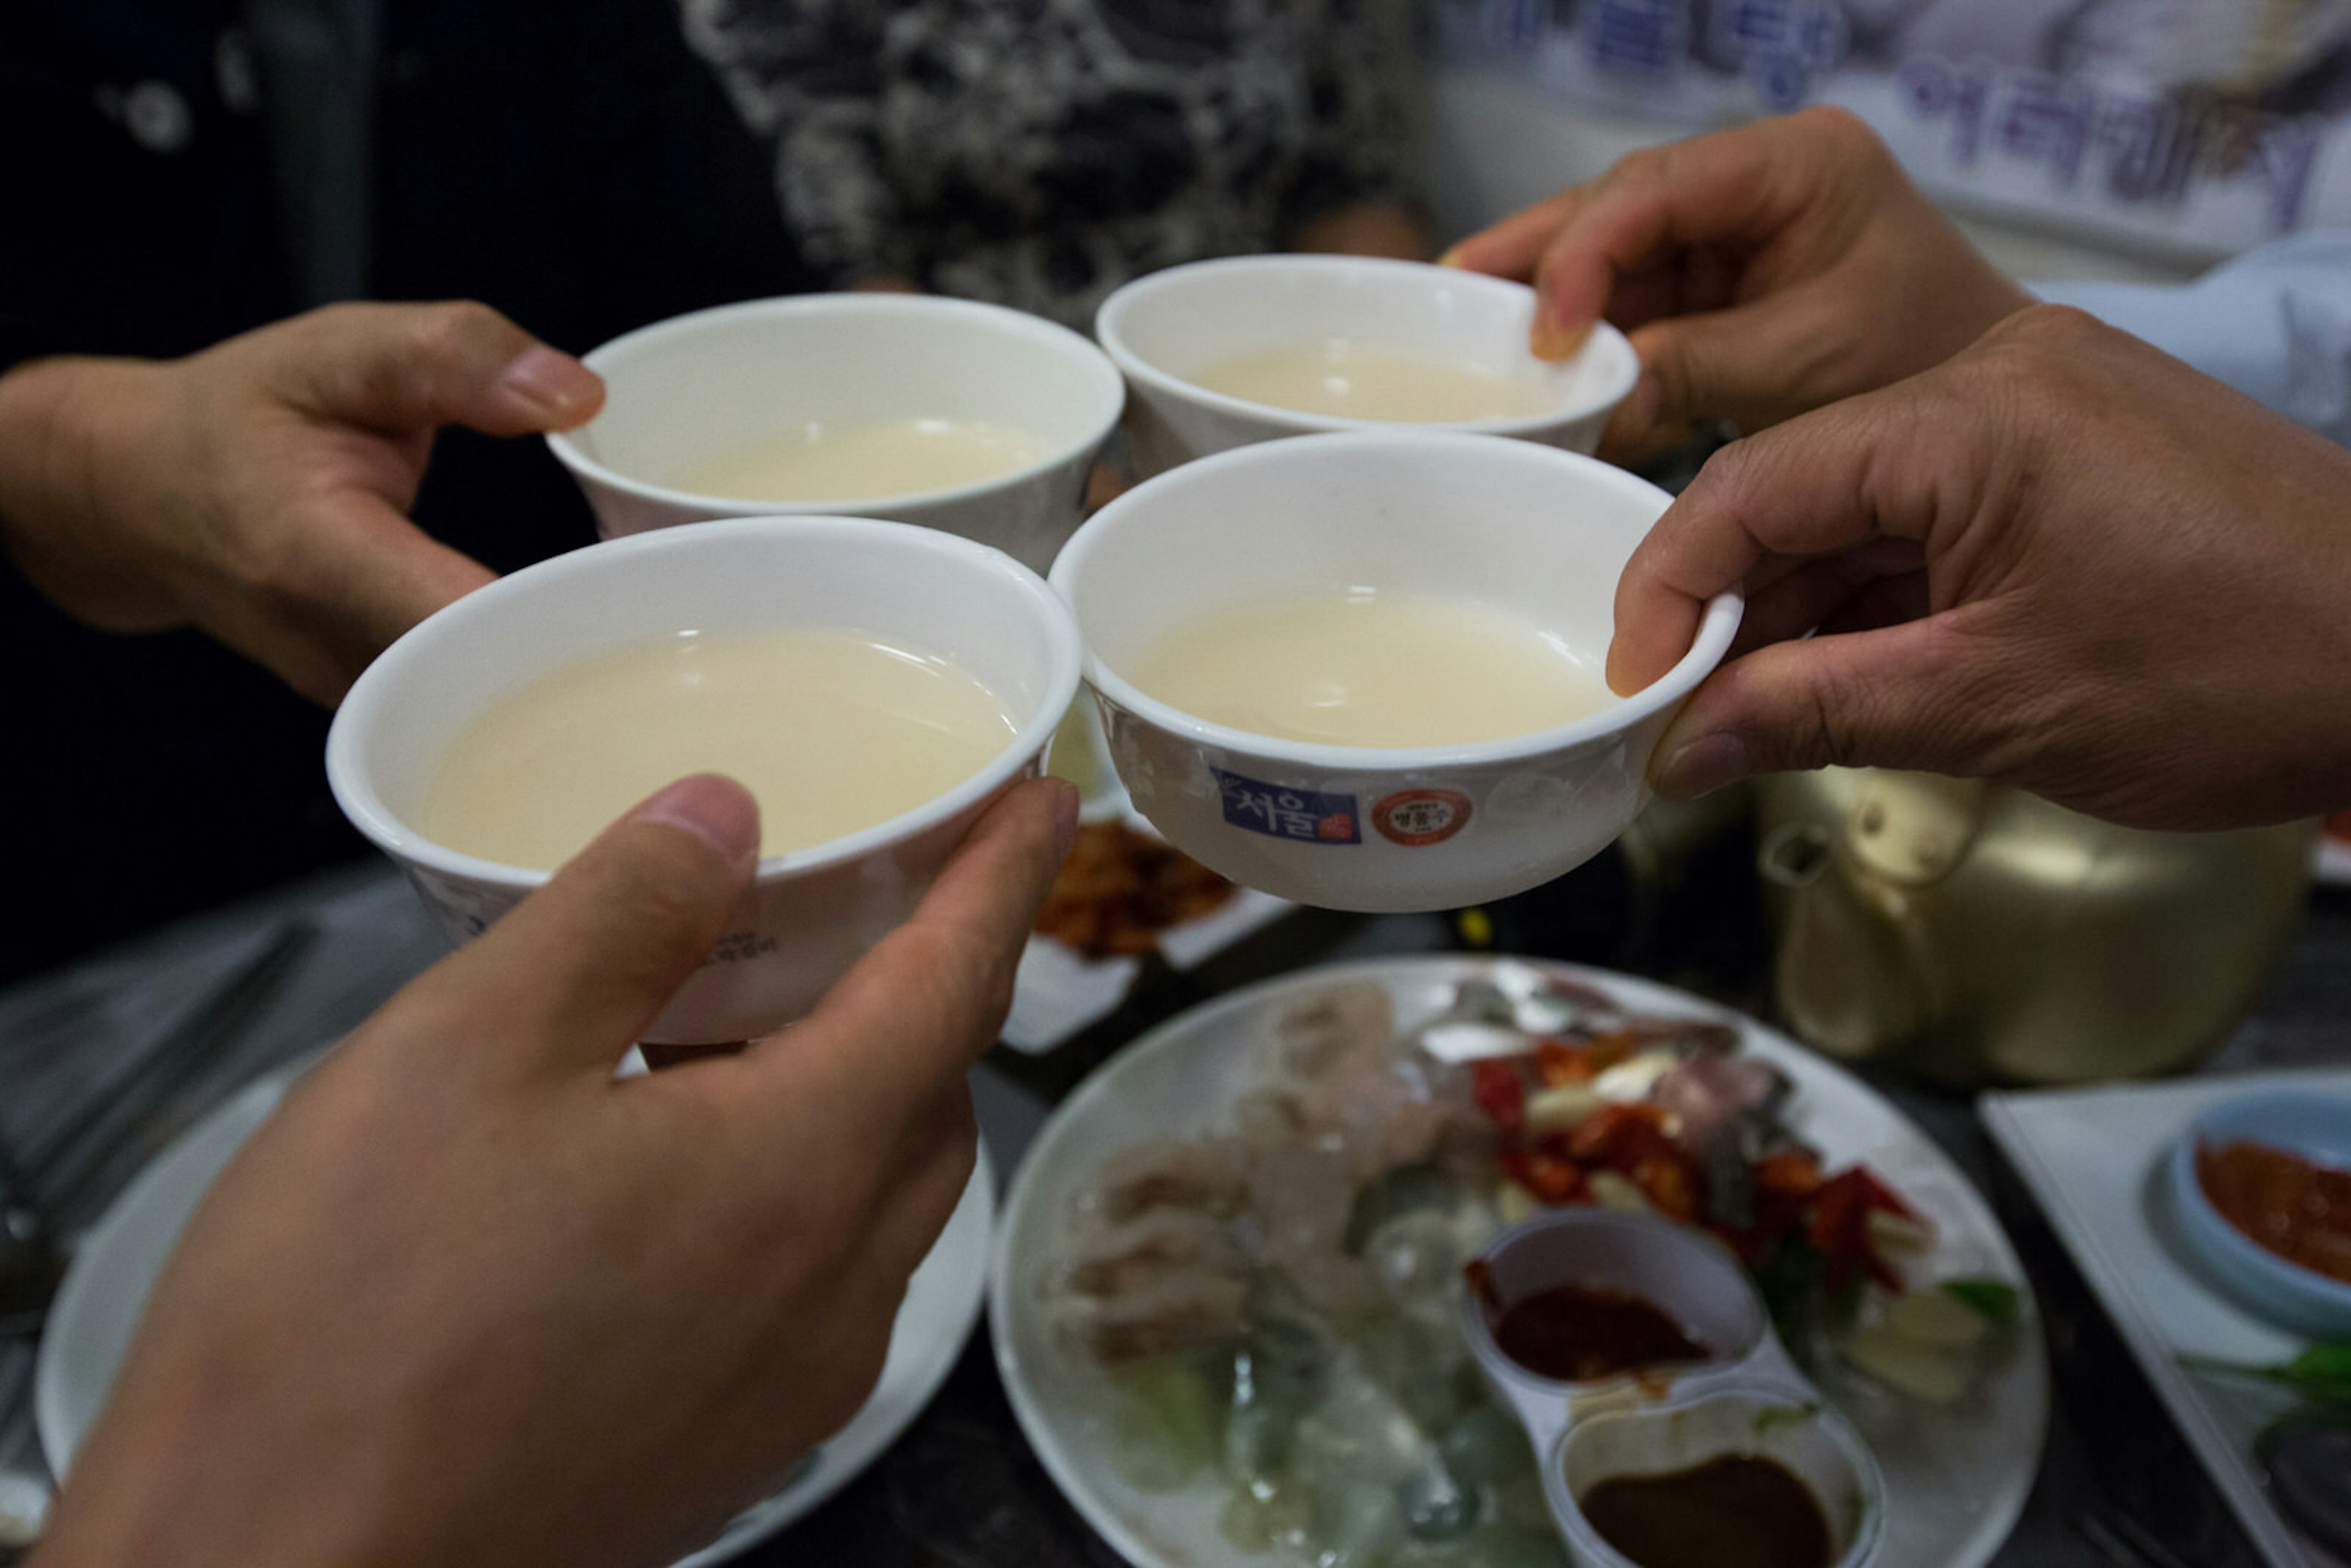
<point>2116,1483</point>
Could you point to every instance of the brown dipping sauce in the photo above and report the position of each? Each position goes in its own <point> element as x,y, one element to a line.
<point>1736,1511</point>
<point>2295,1208</point>
<point>1575,1333</point>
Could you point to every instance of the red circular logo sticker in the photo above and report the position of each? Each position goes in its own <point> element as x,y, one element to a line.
<point>1416,817</point>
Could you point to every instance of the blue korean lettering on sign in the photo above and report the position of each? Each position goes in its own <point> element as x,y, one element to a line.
<point>1280,813</point>
<point>1640,37</point>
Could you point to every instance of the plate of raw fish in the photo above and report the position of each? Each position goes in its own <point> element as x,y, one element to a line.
<point>1227,1300</point>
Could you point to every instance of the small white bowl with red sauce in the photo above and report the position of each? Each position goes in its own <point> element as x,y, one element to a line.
<point>1640,1360</point>
<point>2234,1172</point>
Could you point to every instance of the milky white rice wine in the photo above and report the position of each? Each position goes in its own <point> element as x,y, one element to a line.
<point>1349,379</point>
<point>830,730</point>
<point>901,457</point>
<point>1358,668</point>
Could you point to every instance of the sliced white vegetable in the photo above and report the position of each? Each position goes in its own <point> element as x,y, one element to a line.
<point>1562,1109</point>
<point>1932,1318</point>
<point>1923,1372</point>
<point>1631,1080</point>
<point>1893,1233</point>
<point>1613,1190</point>
<point>1465,1040</point>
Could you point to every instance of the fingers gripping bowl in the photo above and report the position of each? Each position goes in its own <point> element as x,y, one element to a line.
<point>1508,528</point>
<point>810,912</point>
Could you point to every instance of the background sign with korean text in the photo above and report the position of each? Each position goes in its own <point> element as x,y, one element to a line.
<point>2200,126</point>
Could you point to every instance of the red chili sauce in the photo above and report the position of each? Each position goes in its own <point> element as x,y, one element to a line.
<point>1574,1334</point>
<point>1735,1512</point>
<point>2297,1208</point>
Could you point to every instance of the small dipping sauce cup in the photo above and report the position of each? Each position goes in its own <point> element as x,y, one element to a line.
<point>1806,1442</point>
<point>1171,326</point>
<point>2312,1127</point>
<point>1525,530</point>
<point>810,914</point>
<point>1744,1401</point>
<point>693,388</point>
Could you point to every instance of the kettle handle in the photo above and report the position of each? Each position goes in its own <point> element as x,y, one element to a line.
<point>1846,979</point>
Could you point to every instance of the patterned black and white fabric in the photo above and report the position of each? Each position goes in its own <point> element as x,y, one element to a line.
<point>1040,153</point>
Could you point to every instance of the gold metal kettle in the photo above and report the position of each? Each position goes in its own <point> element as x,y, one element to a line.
<point>1987,936</point>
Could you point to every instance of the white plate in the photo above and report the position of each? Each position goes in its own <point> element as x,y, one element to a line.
<point>1956,1481</point>
<point>2094,1160</point>
<point>99,1306</point>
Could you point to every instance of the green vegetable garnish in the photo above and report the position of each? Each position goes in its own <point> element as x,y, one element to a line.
<point>1790,1281</point>
<point>1773,1417</point>
<point>1996,1299</point>
<point>2320,1375</point>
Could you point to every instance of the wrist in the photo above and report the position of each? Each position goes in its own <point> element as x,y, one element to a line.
<point>77,439</point>
<point>41,472</point>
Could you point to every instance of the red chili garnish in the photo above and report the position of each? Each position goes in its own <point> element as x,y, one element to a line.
<point>1495,1085</point>
<point>1558,1062</point>
<point>1879,1196</point>
<point>1880,1269</point>
<point>1788,1172</point>
<point>1620,1136</point>
<point>1839,1226</point>
<point>1669,1184</point>
<point>1480,1275</point>
<point>1547,1178</point>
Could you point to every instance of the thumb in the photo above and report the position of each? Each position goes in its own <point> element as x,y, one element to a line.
<point>931,995</point>
<point>397,368</point>
<point>570,978</point>
<point>1893,698</point>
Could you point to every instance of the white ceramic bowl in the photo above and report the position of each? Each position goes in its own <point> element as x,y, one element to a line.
<point>695,387</point>
<point>810,914</point>
<point>1525,528</point>
<point>1165,328</point>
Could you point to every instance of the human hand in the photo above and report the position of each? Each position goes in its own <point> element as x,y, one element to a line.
<point>1759,272</point>
<point>259,490</point>
<point>1378,228</point>
<point>467,1300</point>
<point>2063,561</point>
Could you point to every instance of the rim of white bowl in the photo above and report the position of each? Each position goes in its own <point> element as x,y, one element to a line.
<point>357,797</point>
<point>1109,330</point>
<point>1717,625</point>
<point>1109,387</point>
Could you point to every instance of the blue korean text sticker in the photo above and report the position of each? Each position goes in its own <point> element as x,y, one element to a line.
<point>1280,813</point>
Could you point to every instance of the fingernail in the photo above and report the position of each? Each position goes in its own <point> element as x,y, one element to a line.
<point>1452,257</point>
<point>1612,671</point>
<point>1065,817</point>
<point>551,381</point>
<point>1701,767</point>
<point>1553,342</point>
<point>713,807</point>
